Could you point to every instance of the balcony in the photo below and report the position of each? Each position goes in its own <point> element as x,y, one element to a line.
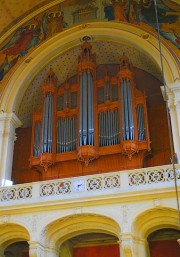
<point>115,185</point>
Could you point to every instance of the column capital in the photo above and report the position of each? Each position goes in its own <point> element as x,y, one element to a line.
<point>174,91</point>
<point>175,87</point>
<point>8,123</point>
<point>35,249</point>
<point>126,244</point>
<point>10,118</point>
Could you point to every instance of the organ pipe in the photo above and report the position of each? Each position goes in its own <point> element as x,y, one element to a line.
<point>37,140</point>
<point>127,111</point>
<point>47,124</point>
<point>86,109</point>
<point>89,118</point>
<point>66,139</point>
<point>141,122</point>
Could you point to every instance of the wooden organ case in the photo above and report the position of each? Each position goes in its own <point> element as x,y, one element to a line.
<point>89,119</point>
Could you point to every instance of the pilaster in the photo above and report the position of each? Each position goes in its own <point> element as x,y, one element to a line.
<point>142,247</point>
<point>36,249</point>
<point>174,106</point>
<point>126,245</point>
<point>131,246</point>
<point>173,98</point>
<point>8,123</point>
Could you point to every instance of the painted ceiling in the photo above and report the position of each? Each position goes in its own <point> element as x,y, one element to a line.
<point>25,26</point>
<point>13,10</point>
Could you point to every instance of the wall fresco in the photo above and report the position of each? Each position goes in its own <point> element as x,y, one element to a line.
<point>72,12</point>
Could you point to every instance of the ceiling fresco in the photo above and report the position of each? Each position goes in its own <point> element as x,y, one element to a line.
<point>65,14</point>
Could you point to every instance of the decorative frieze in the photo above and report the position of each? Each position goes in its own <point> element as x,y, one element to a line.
<point>107,183</point>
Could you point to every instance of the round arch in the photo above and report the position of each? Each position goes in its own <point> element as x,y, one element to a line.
<point>65,228</point>
<point>11,233</point>
<point>155,219</point>
<point>118,32</point>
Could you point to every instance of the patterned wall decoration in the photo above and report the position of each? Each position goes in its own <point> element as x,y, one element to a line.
<point>71,12</point>
<point>66,65</point>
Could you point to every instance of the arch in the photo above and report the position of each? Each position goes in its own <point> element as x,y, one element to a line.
<point>154,219</point>
<point>112,31</point>
<point>59,231</point>
<point>11,233</point>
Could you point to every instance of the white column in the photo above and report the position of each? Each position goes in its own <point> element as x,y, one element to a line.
<point>141,247</point>
<point>36,249</point>
<point>173,95</point>
<point>175,130</point>
<point>131,246</point>
<point>177,104</point>
<point>8,123</point>
<point>126,245</point>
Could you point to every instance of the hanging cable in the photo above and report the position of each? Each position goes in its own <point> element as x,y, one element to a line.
<point>167,112</point>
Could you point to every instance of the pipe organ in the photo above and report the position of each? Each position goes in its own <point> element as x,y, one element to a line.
<point>86,118</point>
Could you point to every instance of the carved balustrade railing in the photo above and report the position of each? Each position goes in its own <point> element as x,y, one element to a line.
<point>91,186</point>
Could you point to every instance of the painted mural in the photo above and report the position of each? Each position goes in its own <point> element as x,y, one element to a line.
<point>72,12</point>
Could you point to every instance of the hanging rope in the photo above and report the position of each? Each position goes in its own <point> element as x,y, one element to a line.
<point>167,112</point>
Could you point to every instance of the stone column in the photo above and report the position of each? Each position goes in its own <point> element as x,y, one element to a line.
<point>177,104</point>
<point>142,247</point>
<point>8,123</point>
<point>36,249</point>
<point>131,246</point>
<point>173,98</point>
<point>126,245</point>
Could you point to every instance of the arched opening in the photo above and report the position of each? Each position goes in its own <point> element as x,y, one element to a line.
<point>47,39</point>
<point>91,244</point>
<point>18,249</point>
<point>14,240</point>
<point>163,242</point>
<point>155,226</point>
<point>108,54</point>
<point>83,234</point>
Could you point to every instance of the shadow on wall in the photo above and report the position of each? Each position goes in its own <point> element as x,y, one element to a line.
<point>19,249</point>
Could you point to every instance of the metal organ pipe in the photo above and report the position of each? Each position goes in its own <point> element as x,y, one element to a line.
<point>141,123</point>
<point>127,111</point>
<point>107,110</point>
<point>37,134</point>
<point>47,124</point>
<point>90,106</point>
<point>109,128</point>
<point>83,106</point>
<point>66,134</point>
<point>86,109</point>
